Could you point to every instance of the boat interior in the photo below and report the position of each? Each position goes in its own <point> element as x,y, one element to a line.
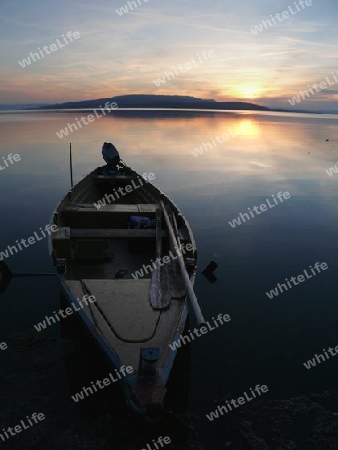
<point>100,251</point>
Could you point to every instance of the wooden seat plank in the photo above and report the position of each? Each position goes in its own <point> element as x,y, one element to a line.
<point>106,233</point>
<point>111,233</point>
<point>116,208</point>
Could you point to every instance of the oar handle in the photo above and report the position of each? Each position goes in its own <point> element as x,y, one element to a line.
<point>192,297</point>
<point>6,276</point>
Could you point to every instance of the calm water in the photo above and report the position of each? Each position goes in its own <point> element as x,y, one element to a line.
<point>266,341</point>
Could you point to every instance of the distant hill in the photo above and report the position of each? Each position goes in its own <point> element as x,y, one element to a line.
<point>158,101</point>
<point>23,106</point>
<point>145,101</point>
<point>299,111</point>
<point>328,111</point>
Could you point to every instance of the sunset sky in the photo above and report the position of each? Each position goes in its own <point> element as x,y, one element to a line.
<point>124,54</point>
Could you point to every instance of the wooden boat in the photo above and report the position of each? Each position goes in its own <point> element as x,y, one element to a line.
<point>98,250</point>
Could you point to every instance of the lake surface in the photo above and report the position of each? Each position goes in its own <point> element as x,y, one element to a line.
<point>267,340</point>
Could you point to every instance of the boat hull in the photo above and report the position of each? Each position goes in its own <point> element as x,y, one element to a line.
<point>143,393</point>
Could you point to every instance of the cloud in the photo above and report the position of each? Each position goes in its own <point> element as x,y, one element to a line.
<point>124,54</point>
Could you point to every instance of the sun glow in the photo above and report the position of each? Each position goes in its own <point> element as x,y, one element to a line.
<point>248,128</point>
<point>248,91</point>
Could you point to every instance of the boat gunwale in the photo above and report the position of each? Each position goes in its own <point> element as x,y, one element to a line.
<point>129,381</point>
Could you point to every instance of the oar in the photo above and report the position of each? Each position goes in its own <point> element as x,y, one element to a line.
<point>71,165</point>
<point>177,246</point>
<point>156,296</point>
<point>7,275</point>
<point>176,230</point>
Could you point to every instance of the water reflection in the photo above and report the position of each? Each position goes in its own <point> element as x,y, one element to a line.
<point>266,342</point>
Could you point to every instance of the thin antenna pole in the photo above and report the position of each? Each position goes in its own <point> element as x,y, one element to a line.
<point>71,165</point>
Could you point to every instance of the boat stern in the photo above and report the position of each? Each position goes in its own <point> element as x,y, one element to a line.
<point>149,396</point>
<point>149,390</point>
